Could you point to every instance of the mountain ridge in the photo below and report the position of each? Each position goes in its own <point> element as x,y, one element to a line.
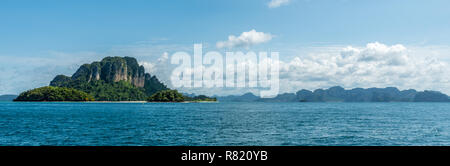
<point>339,94</point>
<point>7,97</point>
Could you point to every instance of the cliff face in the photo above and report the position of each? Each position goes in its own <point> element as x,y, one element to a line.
<point>112,69</point>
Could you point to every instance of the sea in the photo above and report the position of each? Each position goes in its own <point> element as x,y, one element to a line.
<point>224,124</point>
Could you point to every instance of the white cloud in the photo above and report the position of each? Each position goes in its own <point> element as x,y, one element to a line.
<point>157,66</point>
<point>160,68</point>
<point>376,65</point>
<point>149,67</point>
<point>246,39</point>
<point>277,3</point>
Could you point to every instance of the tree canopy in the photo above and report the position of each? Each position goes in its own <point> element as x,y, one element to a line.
<point>50,93</point>
<point>166,96</point>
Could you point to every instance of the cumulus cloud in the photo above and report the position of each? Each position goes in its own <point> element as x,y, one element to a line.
<point>158,65</point>
<point>246,39</point>
<point>149,67</point>
<point>375,65</point>
<point>395,55</point>
<point>160,68</point>
<point>277,3</point>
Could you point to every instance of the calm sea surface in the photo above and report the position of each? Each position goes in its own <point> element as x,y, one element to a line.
<point>224,123</point>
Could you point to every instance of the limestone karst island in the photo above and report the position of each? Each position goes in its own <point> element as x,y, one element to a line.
<point>111,79</point>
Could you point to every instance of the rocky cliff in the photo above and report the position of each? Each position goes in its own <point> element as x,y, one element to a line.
<point>112,69</point>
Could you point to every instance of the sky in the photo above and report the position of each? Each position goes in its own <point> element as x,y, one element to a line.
<point>322,43</point>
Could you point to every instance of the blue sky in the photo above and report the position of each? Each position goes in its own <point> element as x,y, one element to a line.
<point>29,26</point>
<point>83,30</point>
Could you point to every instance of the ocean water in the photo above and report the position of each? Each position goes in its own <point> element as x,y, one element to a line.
<point>290,124</point>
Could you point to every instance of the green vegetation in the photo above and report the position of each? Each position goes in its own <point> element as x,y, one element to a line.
<point>175,96</point>
<point>103,91</point>
<point>199,98</point>
<point>166,96</point>
<point>50,93</point>
<point>152,85</point>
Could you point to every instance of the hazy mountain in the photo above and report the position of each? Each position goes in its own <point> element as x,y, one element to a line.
<point>339,94</point>
<point>389,94</point>
<point>431,96</point>
<point>248,97</point>
<point>7,97</point>
<point>285,97</point>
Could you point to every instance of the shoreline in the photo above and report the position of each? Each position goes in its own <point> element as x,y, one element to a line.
<point>78,101</point>
<point>109,102</point>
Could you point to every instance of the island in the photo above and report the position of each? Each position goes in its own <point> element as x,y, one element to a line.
<point>166,96</point>
<point>175,96</point>
<point>200,98</point>
<point>111,79</point>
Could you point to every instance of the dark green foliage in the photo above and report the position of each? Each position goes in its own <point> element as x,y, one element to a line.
<point>175,96</point>
<point>152,85</point>
<point>199,98</point>
<point>166,96</point>
<point>117,91</point>
<point>60,80</point>
<point>83,73</point>
<point>103,91</point>
<point>50,93</point>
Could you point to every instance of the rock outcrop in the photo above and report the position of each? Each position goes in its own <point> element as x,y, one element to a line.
<point>112,69</point>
